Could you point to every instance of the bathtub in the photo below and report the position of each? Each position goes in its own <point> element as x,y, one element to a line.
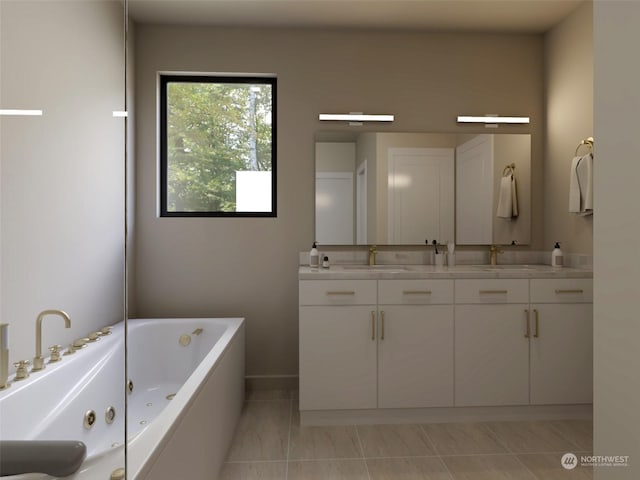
<point>184,392</point>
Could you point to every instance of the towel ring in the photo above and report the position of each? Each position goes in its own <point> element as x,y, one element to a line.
<point>588,142</point>
<point>511,167</point>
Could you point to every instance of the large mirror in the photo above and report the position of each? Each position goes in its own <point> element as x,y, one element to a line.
<point>390,188</point>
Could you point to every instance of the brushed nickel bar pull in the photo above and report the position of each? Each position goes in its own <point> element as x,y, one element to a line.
<point>537,334</point>
<point>341,292</point>
<point>527,333</point>
<point>416,292</point>
<point>579,290</point>
<point>373,325</point>
<point>382,322</point>
<point>487,292</point>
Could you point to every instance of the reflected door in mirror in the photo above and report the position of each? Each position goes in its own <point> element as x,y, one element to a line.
<point>420,195</point>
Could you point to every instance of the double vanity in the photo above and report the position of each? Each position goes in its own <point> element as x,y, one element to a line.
<point>404,343</point>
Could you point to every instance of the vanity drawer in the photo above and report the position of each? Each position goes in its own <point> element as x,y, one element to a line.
<point>562,290</point>
<point>492,291</point>
<point>415,292</point>
<point>338,292</point>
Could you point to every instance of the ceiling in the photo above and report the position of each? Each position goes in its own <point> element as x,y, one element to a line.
<point>502,16</point>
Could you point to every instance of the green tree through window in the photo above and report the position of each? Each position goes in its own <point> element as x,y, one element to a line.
<point>213,131</point>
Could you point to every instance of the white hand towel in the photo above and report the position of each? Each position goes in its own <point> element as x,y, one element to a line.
<point>585,180</point>
<point>505,206</point>
<point>514,197</point>
<point>574,187</point>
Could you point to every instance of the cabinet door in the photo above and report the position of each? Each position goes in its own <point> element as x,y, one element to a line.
<point>491,355</point>
<point>338,357</point>
<point>415,356</point>
<point>562,354</point>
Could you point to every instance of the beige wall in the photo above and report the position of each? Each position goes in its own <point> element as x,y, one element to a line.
<point>616,234</point>
<point>568,50</point>
<point>248,267</point>
<point>62,204</point>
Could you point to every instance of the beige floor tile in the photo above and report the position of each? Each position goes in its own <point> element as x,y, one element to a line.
<point>548,467</point>
<point>323,442</point>
<point>578,432</point>
<point>262,432</point>
<point>394,441</point>
<point>463,438</point>
<point>531,437</point>
<point>415,468</point>
<point>253,471</point>
<point>327,470</point>
<point>487,467</point>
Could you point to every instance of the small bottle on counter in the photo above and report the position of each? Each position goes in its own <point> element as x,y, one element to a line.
<point>325,262</point>
<point>314,256</point>
<point>557,257</point>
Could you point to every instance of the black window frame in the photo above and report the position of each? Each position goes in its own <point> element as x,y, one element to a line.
<point>164,80</point>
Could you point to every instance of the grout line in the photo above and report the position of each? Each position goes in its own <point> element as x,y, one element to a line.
<point>498,438</point>
<point>433,445</point>
<point>446,467</point>
<point>366,467</point>
<point>526,468</point>
<point>254,461</point>
<point>286,468</point>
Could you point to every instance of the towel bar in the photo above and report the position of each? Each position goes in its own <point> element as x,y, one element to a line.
<point>588,142</point>
<point>511,167</point>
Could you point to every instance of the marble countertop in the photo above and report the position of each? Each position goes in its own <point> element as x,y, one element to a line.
<point>390,272</point>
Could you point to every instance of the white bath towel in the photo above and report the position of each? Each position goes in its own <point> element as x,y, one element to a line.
<point>585,181</point>
<point>574,187</point>
<point>514,197</point>
<point>507,198</point>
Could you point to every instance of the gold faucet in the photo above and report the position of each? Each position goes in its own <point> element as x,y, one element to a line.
<point>4,356</point>
<point>38,360</point>
<point>493,252</point>
<point>372,255</point>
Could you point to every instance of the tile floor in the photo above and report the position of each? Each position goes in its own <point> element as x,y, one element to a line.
<point>270,444</point>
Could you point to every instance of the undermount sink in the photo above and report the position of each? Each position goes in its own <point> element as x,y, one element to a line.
<point>505,267</point>
<point>375,267</point>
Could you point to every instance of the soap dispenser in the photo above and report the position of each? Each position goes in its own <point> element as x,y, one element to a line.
<point>557,257</point>
<point>314,256</point>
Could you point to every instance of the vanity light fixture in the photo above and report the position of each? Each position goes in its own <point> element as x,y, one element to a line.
<point>355,117</point>
<point>491,119</point>
<point>20,112</point>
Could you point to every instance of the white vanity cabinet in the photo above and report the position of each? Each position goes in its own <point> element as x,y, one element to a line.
<point>491,350</point>
<point>518,347</point>
<point>561,341</point>
<point>338,344</point>
<point>415,343</point>
<point>405,346</point>
<point>376,344</point>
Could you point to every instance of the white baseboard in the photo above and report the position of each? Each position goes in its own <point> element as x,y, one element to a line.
<point>446,414</point>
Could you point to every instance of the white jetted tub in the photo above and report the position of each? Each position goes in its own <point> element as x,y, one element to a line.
<point>185,388</point>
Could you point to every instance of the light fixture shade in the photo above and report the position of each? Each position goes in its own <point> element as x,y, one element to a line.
<point>355,117</point>
<point>491,119</point>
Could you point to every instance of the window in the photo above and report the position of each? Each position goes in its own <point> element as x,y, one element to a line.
<point>217,146</point>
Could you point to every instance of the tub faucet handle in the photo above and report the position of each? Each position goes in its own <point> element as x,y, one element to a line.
<point>70,349</point>
<point>55,353</point>
<point>94,336</point>
<point>22,369</point>
<point>106,330</point>
<point>79,343</point>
